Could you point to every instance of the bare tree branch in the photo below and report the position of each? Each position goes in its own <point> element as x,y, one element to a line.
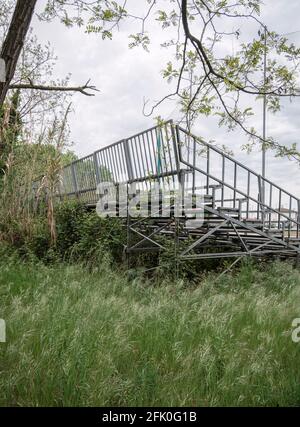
<point>81,89</point>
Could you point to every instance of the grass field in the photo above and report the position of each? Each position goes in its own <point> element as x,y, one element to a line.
<point>94,338</point>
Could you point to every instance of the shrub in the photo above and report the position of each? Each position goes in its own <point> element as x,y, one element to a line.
<point>83,235</point>
<point>68,219</point>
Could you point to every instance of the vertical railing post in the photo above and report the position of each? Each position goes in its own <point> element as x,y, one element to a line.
<point>290,217</point>
<point>128,160</point>
<point>74,178</point>
<point>180,200</point>
<point>176,145</point>
<point>194,164</point>
<point>259,205</point>
<point>279,209</point>
<point>234,184</point>
<point>207,170</point>
<point>178,154</point>
<point>270,205</point>
<point>223,180</point>
<point>97,172</point>
<point>96,166</point>
<point>248,193</point>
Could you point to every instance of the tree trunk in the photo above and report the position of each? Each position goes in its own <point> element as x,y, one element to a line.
<point>14,41</point>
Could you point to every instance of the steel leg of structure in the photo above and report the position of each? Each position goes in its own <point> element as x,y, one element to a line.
<point>257,250</point>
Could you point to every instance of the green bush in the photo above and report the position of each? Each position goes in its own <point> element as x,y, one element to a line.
<point>69,216</point>
<point>38,244</point>
<point>83,235</point>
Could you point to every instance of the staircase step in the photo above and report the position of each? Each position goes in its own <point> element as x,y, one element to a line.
<point>225,209</point>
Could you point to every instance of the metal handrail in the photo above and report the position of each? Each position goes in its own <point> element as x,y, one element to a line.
<point>262,204</point>
<point>227,156</point>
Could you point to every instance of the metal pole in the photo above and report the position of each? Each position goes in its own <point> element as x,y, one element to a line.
<point>264,126</point>
<point>264,108</point>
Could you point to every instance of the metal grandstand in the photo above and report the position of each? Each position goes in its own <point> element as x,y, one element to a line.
<point>244,214</point>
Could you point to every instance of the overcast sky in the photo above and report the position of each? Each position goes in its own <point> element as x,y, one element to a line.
<point>125,77</point>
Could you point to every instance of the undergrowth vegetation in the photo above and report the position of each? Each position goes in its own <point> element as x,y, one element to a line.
<point>83,330</point>
<point>97,338</point>
<point>82,236</point>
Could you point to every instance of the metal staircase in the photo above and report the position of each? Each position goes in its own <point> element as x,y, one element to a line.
<point>243,214</point>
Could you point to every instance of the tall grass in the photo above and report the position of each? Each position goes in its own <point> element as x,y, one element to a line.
<point>78,338</point>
